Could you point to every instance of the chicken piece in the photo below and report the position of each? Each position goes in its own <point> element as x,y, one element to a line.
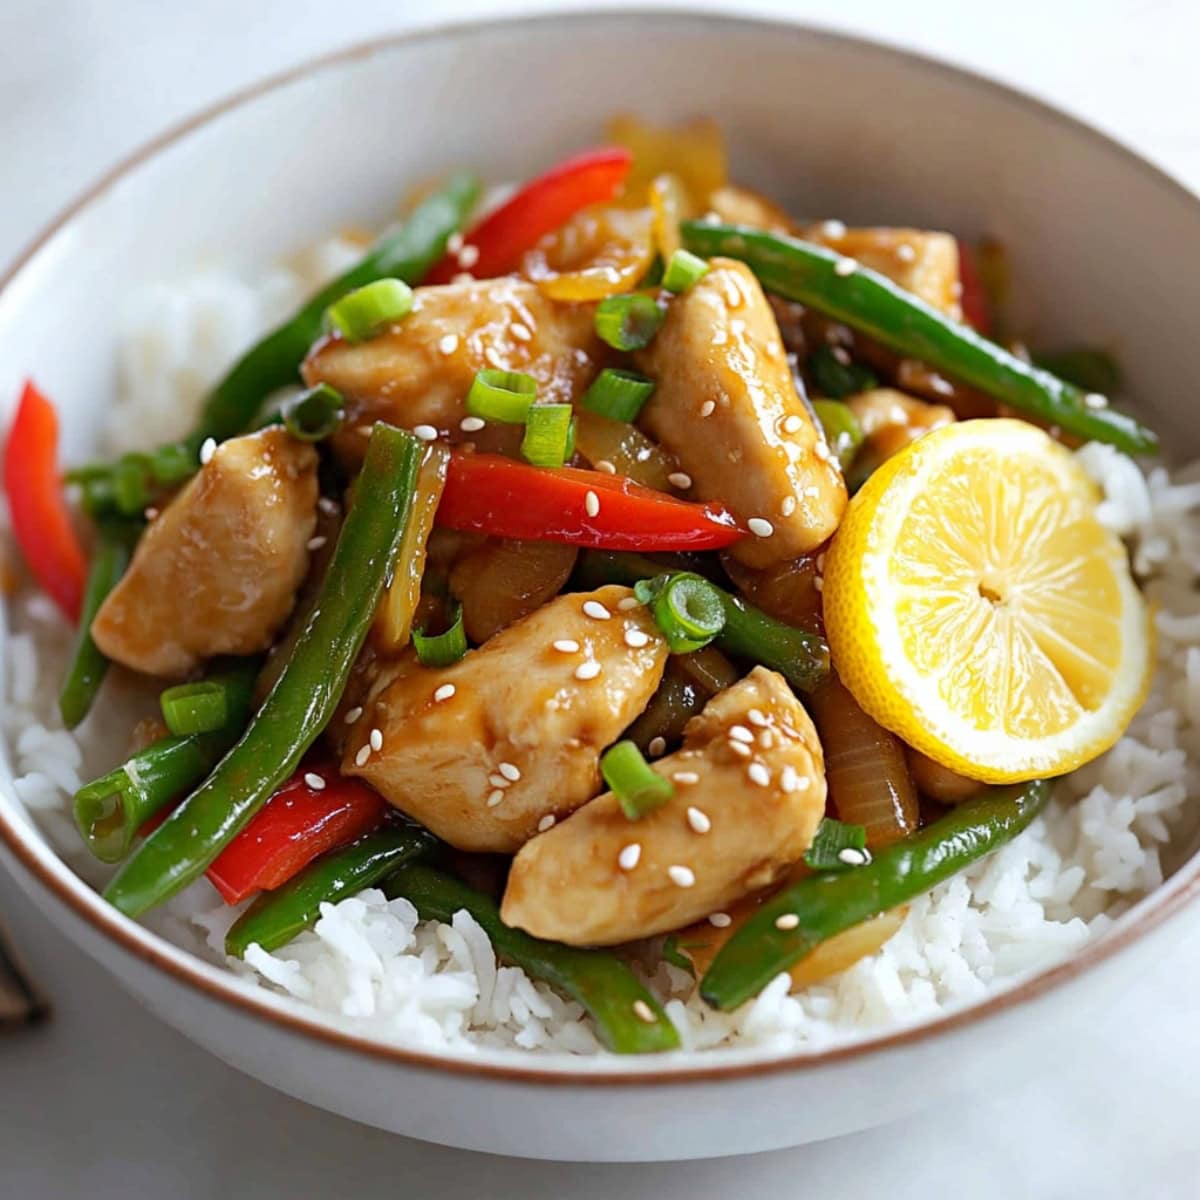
<point>890,420</point>
<point>420,370</point>
<point>517,738</point>
<point>923,263</point>
<point>741,206</point>
<point>217,571</point>
<point>738,820</point>
<point>726,406</point>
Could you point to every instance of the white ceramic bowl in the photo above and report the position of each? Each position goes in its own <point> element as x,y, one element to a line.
<point>835,126</point>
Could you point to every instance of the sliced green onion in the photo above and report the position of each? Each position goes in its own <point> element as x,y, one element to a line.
<point>639,789</point>
<point>131,478</point>
<point>671,953</point>
<point>199,707</point>
<point>501,395</point>
<point>442,649</point>
<point>687,608</point>
<point>315,414</point>
<point>833,840</point>
<point>683,270</point>
<point>173,463</point>
<point>836,379</point>
<point>628,322</point>
<point>653,275</point>
<point>548,437</point>
<point>618,395</point>
<point>370,309</point>
<point>842,431</point>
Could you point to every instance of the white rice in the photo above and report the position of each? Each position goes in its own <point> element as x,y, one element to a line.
<point>369,962</point>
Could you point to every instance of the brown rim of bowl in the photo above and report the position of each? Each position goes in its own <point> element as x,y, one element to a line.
<point>149,947</point>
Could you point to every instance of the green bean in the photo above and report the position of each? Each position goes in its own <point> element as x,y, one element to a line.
<point>306,693</point>
<point>835,379</point>
<point>628,1018</point>
<point>1094,370</point>
<point>110,810</point>
<point>802,658</point>
<point>87,667</point>
<point>278,916</point>
<point>842,430</point>
<point>828,904</point>
<point>872,303</point>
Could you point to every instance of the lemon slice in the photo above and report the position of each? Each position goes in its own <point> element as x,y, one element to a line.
<point>977,609</point>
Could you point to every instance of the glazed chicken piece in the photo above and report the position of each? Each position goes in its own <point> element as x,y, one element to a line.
<point>891,420</point>
<point>726,407</point>
<point>420,370</point>
<point>749,795</point>
<point>217,571</point>
<point>741,206</point>
<point>921,262</point>
<point>487,750</point>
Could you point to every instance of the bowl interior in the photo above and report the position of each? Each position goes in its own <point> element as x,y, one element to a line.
<point>832,127</point>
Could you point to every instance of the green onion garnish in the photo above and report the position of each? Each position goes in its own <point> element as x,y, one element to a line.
<point>684,269</point>
<point>315,414</point>
<point>639,789</point>
<point>686,607</point>
<point>501,395</point>
<point>442,649</point>
<point>628,322</point>
<point>618,395</point>
<point>195,707</point>
<point>548,436</point>
<point>837,846</point>
<point>131,478</point>
<point>675,956</point>
<point>369,310</point>
<point>836,379</point>
<point>842,431</point>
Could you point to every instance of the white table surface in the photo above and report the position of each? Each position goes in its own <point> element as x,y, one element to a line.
<point>104,1101</point>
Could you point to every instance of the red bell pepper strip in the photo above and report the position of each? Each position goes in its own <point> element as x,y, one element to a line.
<point>40,518</point>
<point>296,825</point>
<point>487,493</point>
<point>973,297</point>
<point>539,208</point>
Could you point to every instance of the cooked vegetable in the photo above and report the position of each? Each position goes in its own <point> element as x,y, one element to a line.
<point>279,915</point>
<point>974,299</point>
<point>599,252</point>
<point>693,154</point>
<point>626,450</point>
<point>870,302</point>
<point>370,309</point>
<point>639,789</point>
<point>688,683</point>
<point>40,520</point>
<point>549,435</point>
<point>618,395</point>
<point>501,395</point>
<point>110,810</point>
<point>843,434</point>
<point>682,270</point>
<point>833,840</point>
<point>801,657</point>
<point>306,694</point>
<point>315,414</point>
<point>487,493</point>
<point>827,904</point>
<point>405,253</point>
<point>629,322</point>
<point>87,668</point>
<point>888,420</point>
<point>836,375</point>
<point>629,1020</point>
<point>940,783</point>
<point>314,811</point>
<point>688,610</point>
<point>442,649</point>
<point>198,707</point>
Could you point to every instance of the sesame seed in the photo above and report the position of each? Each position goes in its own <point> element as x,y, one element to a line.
<point>314,781</point>
<point>636,638</point>
<point>376,739</point>
<point>150,513</point>
<point>365,430</point>
<point>468,256</point>
<point>787,921</point>
<point>708,408</point>
<point>520,332</point>
<point>587,670</point>
<point>360,759</point>
<point>818,583</point>
<point>820,564</point>
<point>683,877</point>
<point>207,449</point>
<point>759,774</point>
<point>629,856</point>
<point>739,733</point>
<point>793,424</point>
<point>833,228</point>
<point>326,505</point>
<point>698,820</point>
<point>567,646</point>
<point>644,1012</point>
<point>444,692</point>
<point>905,253</point>
<point>462,277</point>
<point>494,358</point>
<point>840,355</point>
<point>686,777</point>
<point>740,748</point>
<point>656,747</point>
<point>766,739</point>
<point>756,717</point>
<point>845,266</point>
<point>788,779</point>
<point>591,504</point>
<point>353,714</point>
<point>1095,400</point>
<point>788,506</point>
<point>448,343</point>
<point>679,479</point>
<point>426,433</point>
<point>510,771</point>
<point>595,610</point>
<point>604,466</point>
<point>761,527</point>
<point>720,920</point>
<point>454,243</point>
<point>852,857</point>
<point>315,543</point>
<point>495,798</point>
<point>629,602</point>
<point>471,424</point>
<point>547,822</point>
<point>498,781</point>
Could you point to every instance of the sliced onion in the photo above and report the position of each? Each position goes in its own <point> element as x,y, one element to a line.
<point>626,448</point>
